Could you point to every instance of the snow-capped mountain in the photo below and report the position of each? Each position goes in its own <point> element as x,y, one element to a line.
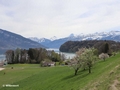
<point>42,40</point>
<point>39,40</point>
<point>56,43</point>
<point>98,36</point>
<point>53,38</point>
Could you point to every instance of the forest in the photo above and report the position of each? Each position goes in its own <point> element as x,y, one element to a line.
<point>73,46</point>
<point>32,56</point>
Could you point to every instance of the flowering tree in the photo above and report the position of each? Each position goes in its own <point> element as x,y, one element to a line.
<point>84,58</point>
<point>77,61</point>
<point>103,56</point>
<point>89,58</point>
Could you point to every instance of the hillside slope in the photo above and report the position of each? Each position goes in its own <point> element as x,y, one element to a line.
<point>9,40</point>
<point>105,76</point>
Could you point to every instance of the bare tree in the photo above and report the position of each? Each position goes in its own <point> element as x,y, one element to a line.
<point>9,56</point>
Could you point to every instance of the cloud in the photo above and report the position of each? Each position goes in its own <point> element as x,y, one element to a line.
<point>47,18</point>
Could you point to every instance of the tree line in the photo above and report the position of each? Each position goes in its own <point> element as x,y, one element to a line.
<point>73,46</point>
<point>33,55</point>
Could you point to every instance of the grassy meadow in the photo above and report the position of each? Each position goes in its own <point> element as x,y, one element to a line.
<point>105,76</point>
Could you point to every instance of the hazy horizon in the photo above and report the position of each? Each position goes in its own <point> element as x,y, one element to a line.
<point>48,18</point>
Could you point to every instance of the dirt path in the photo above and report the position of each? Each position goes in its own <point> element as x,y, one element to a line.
<point>2,69</point>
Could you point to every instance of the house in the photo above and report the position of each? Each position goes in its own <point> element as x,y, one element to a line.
<point>51,64</point>
<point>47,64</point>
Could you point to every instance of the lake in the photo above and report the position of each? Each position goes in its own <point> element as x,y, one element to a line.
<point>2,57</point>
<point>67,55</point>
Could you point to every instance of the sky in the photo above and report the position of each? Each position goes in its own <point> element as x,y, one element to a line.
<point>60,18</point>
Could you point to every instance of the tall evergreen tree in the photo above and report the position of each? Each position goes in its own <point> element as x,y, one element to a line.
<point>106,48</point>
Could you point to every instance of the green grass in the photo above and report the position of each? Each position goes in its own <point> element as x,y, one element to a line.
<point>34,77</point>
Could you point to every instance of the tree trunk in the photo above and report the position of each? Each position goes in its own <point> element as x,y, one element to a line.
<point>89,69</point>
<point>84,69</point>
<point>104,58</point>
<point>76,70</point>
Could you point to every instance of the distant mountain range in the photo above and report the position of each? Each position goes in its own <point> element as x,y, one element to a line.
<point>9,40</point>
<point>56,43</point>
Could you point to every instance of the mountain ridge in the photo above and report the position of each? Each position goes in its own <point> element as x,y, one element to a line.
<point>111,35</point>
<point>10,40</point>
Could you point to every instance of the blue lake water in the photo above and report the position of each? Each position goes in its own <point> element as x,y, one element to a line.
<point>2,57</point>
<point>67,55</point>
